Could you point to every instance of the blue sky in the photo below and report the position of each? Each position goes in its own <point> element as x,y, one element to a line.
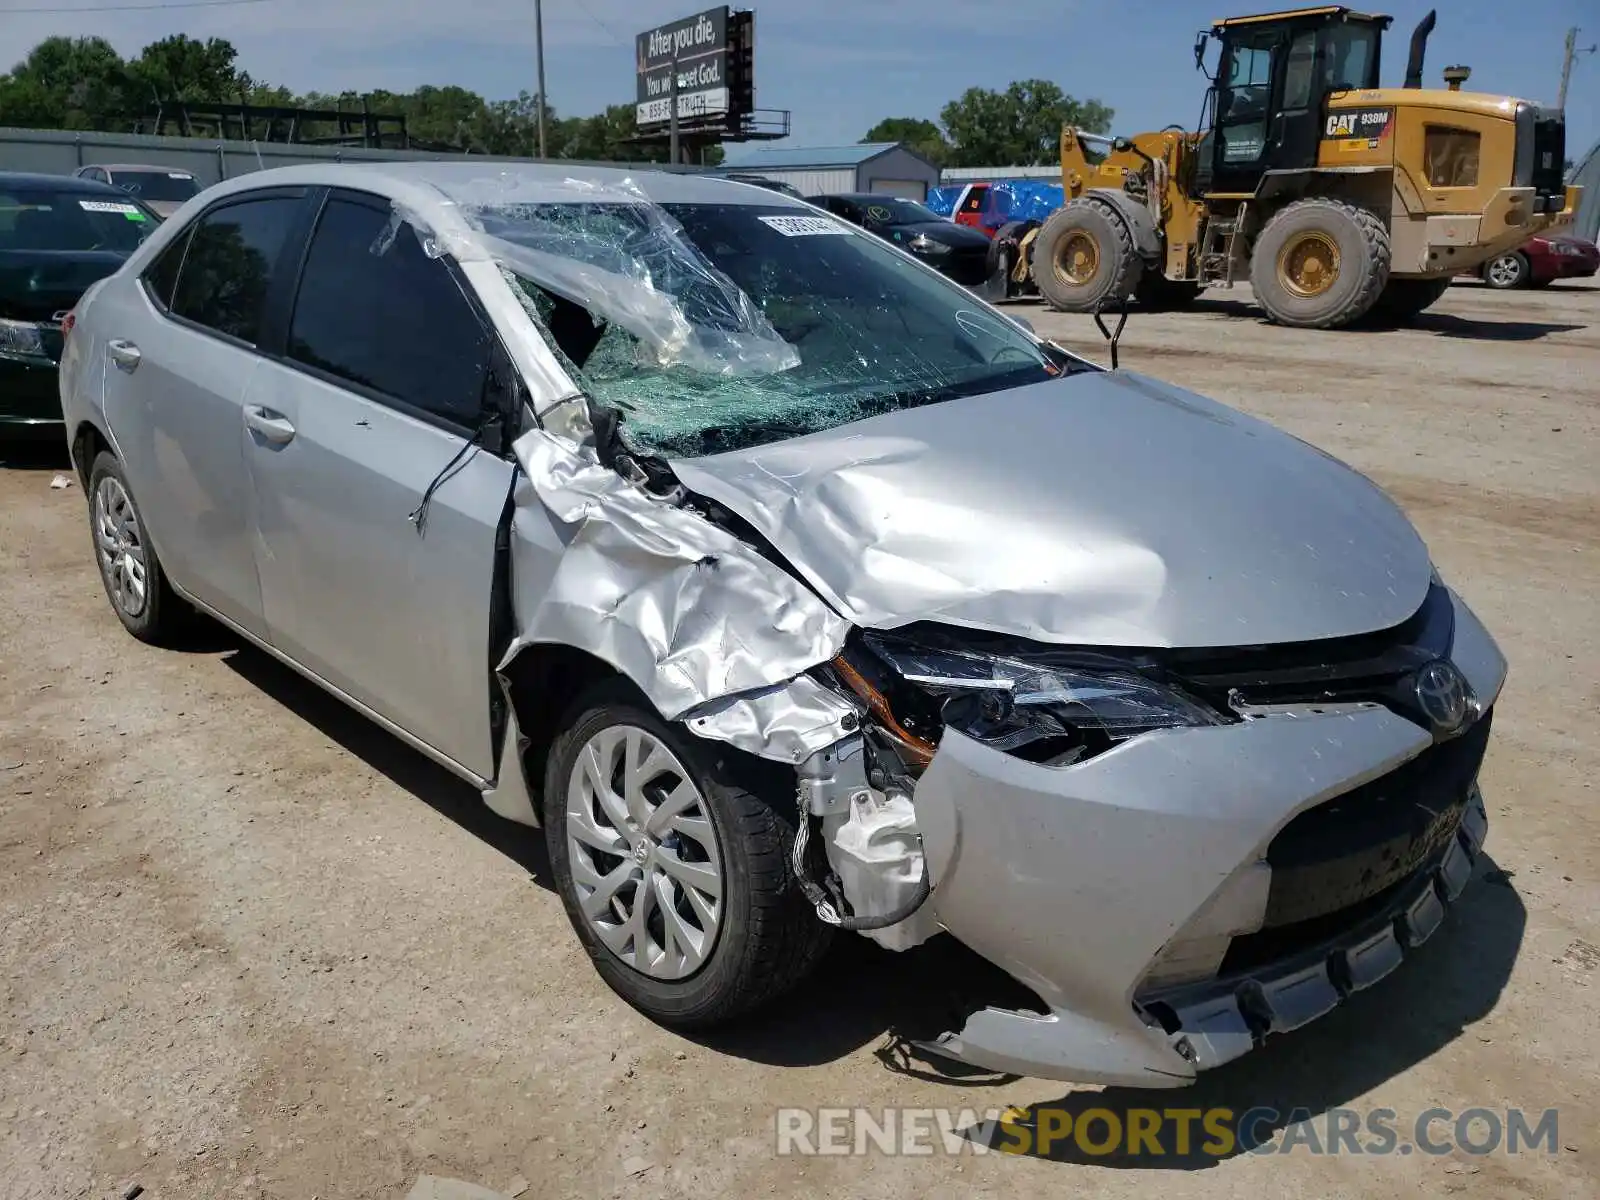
<point>839,65</point>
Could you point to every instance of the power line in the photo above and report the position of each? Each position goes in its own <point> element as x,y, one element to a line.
<point>602,25</point>
<point>56,11</point>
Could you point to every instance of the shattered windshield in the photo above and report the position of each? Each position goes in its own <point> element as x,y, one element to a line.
<point>712,327</point>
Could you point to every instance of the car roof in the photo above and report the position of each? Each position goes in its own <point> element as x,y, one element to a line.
<point>431,186</point>
<point>59,183</point>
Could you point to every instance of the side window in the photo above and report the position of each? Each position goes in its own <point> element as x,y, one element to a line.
<point>161,277</point>
<point>228,271</point>
<point>1244,103</point>
<point>974,200</point>
<point>394,321</point>
<point>1300,71</point>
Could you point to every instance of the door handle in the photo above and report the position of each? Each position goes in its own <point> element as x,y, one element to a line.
<point>124,354</point>
<point>271,426</point>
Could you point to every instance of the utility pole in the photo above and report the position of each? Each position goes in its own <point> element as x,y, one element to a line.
<point>672,118</point>
<point>1566,65</point>
<point>538,50</point>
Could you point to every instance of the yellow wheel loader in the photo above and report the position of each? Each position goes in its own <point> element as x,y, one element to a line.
<point>1333,196</point>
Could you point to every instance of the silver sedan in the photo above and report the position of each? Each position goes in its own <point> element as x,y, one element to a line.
<point>788,589</point>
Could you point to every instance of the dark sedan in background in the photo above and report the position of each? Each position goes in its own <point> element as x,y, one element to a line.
<point>955,250</point>
<point>58,235</point>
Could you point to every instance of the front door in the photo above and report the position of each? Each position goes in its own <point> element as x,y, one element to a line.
<point>181,353</point>
<point>377,586</point>
<point>1244,117</point>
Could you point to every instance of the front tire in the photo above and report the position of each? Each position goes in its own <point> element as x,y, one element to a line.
<point>1084,256</point>
<point>1508,271</point>
<point>675,877</point>
<point>131,573</point>
<point>1320,264</point>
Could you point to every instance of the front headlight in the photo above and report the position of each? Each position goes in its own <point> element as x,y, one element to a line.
<point>21,339</point>
<point>1049,709</point>
<point>1566,248</point>
<point>923,244</point>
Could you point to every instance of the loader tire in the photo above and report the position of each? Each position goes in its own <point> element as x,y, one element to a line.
<point>1407,298</point>
<point>1320,264</point>
<point>1084,256</point>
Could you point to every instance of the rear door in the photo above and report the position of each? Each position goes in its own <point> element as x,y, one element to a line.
<point>182,346</point>
<point>377,511</point>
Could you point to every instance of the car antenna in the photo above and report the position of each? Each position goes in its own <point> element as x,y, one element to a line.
<point>1111,335</point>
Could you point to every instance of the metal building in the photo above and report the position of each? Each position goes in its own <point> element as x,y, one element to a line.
<point>1587,176</point>
<point>888,168</point>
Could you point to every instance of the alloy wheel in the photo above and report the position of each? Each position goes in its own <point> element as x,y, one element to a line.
<point>1505,271</point>
<point>645,860</point>
<point>120,546</point>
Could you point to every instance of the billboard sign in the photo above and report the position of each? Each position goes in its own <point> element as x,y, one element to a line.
<point>698,45</point>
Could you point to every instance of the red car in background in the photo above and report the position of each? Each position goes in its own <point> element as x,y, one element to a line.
<point>1541,261</point>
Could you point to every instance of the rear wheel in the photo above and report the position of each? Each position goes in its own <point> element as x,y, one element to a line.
<point>1320,263</point>
<point>134,581</point>
<point>1084,256</point>
<point>675,877</point>
<point>1406,298</point>
<point>1507,271</point>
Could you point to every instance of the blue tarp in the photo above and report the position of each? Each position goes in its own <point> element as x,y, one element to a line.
<point>1009,200</point>
<point>942,200</point>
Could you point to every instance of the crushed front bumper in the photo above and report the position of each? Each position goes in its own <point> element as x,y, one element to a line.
<point>1083,882</point>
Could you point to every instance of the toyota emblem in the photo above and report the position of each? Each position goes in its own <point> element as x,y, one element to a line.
<point>1442,696</point>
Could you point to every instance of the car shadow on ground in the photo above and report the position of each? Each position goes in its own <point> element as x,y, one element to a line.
<point>861,994</point>
<point>1451,326</point>
<point>415,772</point>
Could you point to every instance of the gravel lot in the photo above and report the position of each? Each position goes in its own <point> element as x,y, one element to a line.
<point>253,947</point>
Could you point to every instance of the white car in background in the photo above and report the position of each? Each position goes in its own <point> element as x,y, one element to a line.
<point>164,189</point>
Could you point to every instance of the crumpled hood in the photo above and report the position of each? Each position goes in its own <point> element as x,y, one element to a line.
<point>1098,509</point>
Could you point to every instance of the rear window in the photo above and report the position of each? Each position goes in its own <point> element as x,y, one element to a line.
<point>46,219</point>
<point>161,186</point>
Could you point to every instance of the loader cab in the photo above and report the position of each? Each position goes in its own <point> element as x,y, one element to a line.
<point>1265,108</point>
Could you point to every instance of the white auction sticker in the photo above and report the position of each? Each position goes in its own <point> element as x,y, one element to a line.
<point>115,206</point>
<point>178,175</point>
<point>804,226</point>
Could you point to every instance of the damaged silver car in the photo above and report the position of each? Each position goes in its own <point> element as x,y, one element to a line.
<point>790,590</point>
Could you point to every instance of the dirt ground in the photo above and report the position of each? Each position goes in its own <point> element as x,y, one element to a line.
<point>253,947</point>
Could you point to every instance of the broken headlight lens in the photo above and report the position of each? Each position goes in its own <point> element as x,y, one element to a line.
<point>1044,710</point>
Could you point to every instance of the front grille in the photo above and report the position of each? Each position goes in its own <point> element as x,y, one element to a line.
<point>1339,862</point>
<point>1373,667</point>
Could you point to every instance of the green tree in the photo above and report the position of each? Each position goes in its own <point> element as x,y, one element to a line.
<point>68,83</point>
<point>923,136</point>
<point>184,68</point>
<point>1020,126</point>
